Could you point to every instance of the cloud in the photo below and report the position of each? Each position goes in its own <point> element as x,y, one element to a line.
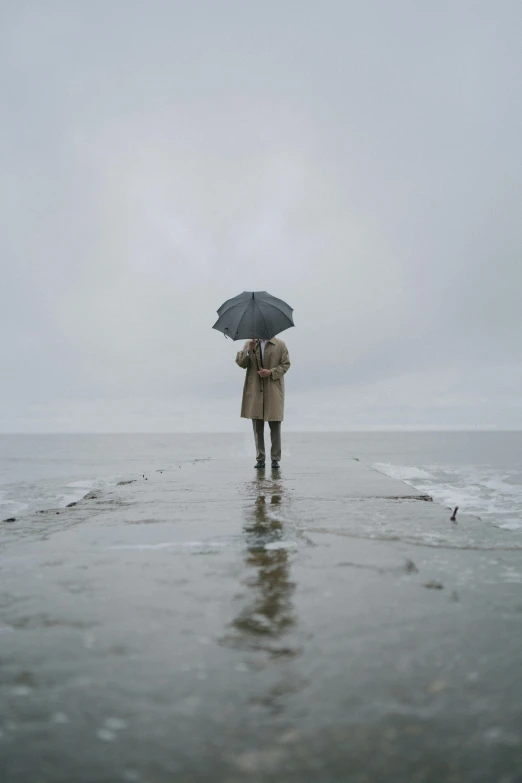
<point>361,162</point>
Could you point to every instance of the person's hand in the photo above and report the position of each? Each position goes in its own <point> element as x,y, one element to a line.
<point>251,347</point>
<point>263,373</point>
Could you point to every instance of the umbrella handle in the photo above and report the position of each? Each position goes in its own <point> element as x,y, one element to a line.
<point>259,365</point>
<point>255,353</point>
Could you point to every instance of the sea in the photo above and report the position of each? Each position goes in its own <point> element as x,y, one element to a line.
<point>480,472</point>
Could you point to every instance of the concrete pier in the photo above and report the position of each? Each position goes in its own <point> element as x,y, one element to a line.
<point>205,623</point>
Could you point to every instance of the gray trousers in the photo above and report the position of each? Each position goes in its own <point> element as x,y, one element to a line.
<point>275,435</point>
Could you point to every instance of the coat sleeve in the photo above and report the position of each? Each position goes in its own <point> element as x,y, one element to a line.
<point>282,367</point>
<point>242,358</point>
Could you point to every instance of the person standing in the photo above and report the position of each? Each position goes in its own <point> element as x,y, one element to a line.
<point>265,362</point>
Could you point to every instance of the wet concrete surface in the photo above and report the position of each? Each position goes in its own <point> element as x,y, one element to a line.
<point>318,623</point>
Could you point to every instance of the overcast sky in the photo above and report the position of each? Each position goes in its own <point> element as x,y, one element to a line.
<point>361,160</point>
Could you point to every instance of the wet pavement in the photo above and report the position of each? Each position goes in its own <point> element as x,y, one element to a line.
<point>205,623</point>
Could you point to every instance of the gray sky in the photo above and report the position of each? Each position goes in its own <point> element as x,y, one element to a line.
<point>361,160</point>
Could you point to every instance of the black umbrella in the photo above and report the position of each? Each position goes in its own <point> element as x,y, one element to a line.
<point>254,314</point>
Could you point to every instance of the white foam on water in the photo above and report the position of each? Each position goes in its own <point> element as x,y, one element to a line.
<point>510,524</point>
<point>64,500</point>
<point>281,545</point>
<point>9,507</point>
<point>510,575</point>
<point>8,504</point>
<point>45,472</point>
<point>492,494</point>
<point>20,498</point>
<point>86,484</point>
<point>402,472</point>
<point>172,545</point>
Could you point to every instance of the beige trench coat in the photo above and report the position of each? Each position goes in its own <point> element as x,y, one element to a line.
<point>264,398</point>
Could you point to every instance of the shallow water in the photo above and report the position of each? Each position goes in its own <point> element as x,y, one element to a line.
<point>481,472</point>
<point>212,622</point>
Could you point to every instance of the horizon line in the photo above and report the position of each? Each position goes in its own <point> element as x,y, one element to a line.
<point>376,429</point>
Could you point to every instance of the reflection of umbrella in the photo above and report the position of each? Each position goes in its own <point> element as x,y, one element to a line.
<point>254,314</point>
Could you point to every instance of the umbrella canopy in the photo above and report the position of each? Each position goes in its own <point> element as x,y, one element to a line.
<point>253,314</point>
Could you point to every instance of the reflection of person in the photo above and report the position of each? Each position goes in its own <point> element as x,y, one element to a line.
<point>265,362</point>
<point>267,616</point>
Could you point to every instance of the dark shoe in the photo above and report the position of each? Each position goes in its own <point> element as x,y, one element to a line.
<point>275,463</point>
<point>259,464</point>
